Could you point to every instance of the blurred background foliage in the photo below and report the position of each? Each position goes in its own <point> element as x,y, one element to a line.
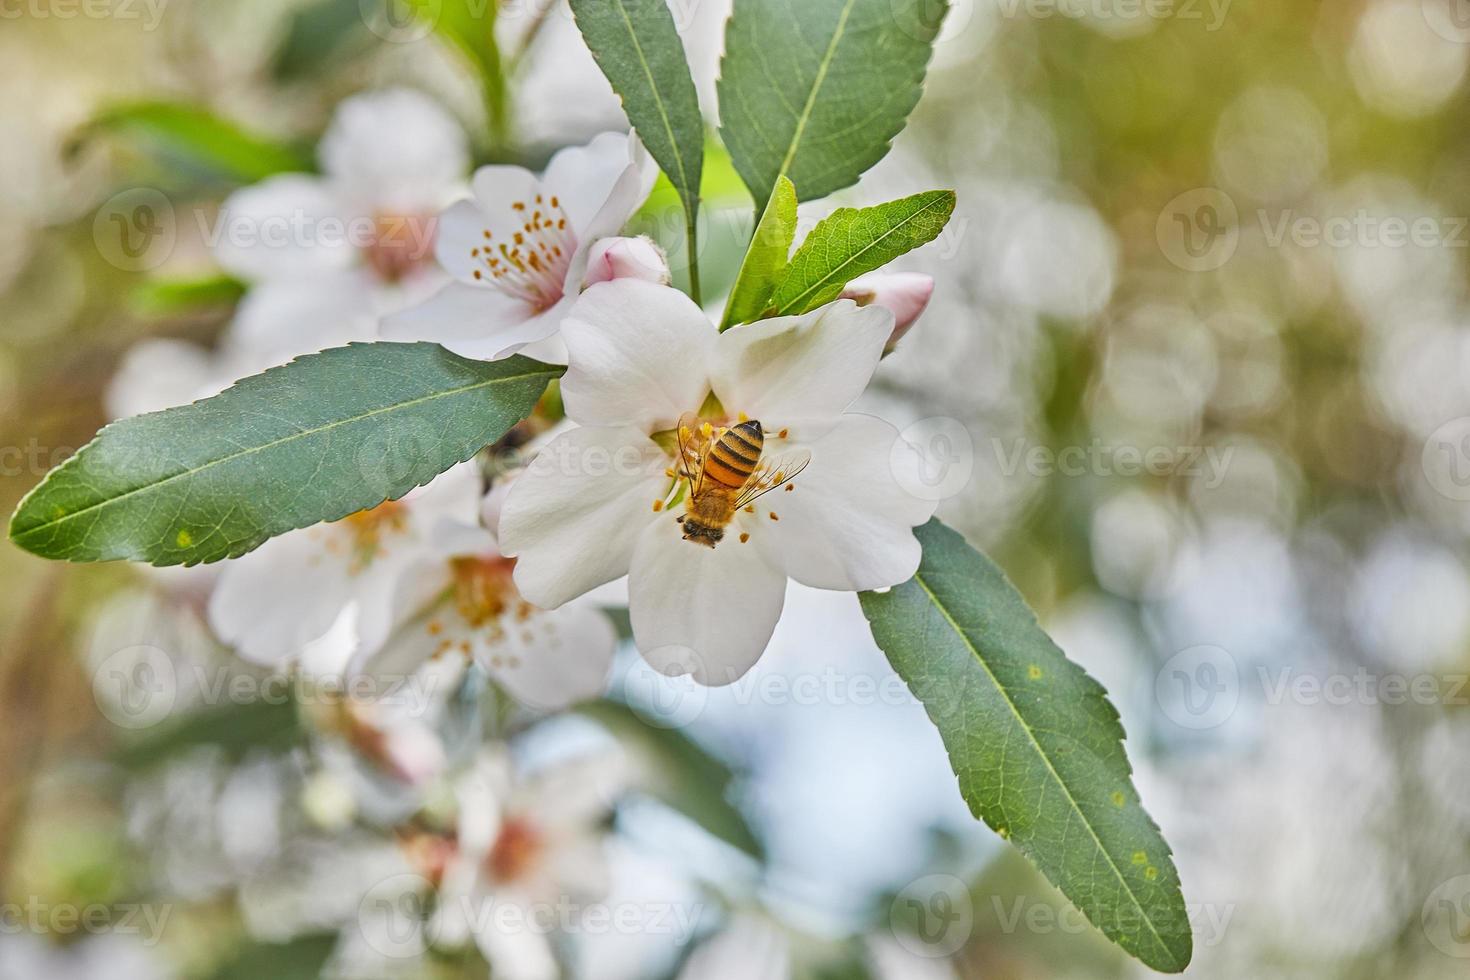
<point>1312,520</point>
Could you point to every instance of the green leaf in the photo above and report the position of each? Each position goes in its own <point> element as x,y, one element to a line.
<point>683,776</point>
<point>469,27</point>
<point>818,89</point>
<point>318,35</point>
<point>198,137</point>
<point>238,729</point>
<point>853,241</point>
<point>172,297</point>
<point>318,439</point>
<point>1036,745</point>
<point>765,261</point>
<point>637,47</point>
<point>303,958</point>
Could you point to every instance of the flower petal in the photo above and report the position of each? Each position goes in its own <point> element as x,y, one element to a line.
<point>279,228</point>
<point>601,180</point>
<point>158,373</point>
<point>573,516</point>
<point>458,232</point>
<point>627,258</point>
<point>849,523</point>
<point>394,151</point>
<point>271,603</point>
<point>704,611</point>
<point>810,366</point>
<point>637,353</point>
<point>279,320</point>
<point>553,659</point>
<point>499,187</point>
<point>513,944</point>
<point>473,321</point>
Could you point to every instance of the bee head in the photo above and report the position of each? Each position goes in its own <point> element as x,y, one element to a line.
<point>703,534</point>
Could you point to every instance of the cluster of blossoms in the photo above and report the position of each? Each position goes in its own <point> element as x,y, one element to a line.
<point>534,264</point>
<point>501,576</point>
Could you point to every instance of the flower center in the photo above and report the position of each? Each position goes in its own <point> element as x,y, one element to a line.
<point>399,245</point>
<point>370,528</point>
<point>483,589</point>
<point>531,263</point>
<point>515,851</point>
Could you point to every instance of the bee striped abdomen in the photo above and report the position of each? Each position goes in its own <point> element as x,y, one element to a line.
<point>734,456</point>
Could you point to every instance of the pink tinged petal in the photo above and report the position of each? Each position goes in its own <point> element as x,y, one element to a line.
<point>810,366</point>
<point>573,517</point>
<point>394,151</point>
<point>627,258</point>
<point>848,524</point>
<point>278,229</point>
<point>473,321</point>
<point>703,611</point>
<point>552,659</point>
<point>905,294</point>
<point>637,353</point>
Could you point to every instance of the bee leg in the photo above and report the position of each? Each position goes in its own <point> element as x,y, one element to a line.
<point>680,518</point>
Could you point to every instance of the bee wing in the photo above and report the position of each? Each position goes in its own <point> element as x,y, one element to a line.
<point>772,474</point>
<point>691,457</point>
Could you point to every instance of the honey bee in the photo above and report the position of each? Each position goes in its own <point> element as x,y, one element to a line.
<point>725,472</point>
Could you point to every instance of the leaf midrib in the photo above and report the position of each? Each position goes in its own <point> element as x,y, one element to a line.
<point>1066,791</point>
<point>685,191</point>
<point>832,274</point>
<point>304,433</point>
<point>811,99</point>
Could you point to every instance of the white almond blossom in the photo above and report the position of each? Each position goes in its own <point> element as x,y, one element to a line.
<point>274,602</point>
<point>602,500</point>
<point>528,849</point>
<point>326,256</point>
<point>546,659</point>
<point>519,249</point>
